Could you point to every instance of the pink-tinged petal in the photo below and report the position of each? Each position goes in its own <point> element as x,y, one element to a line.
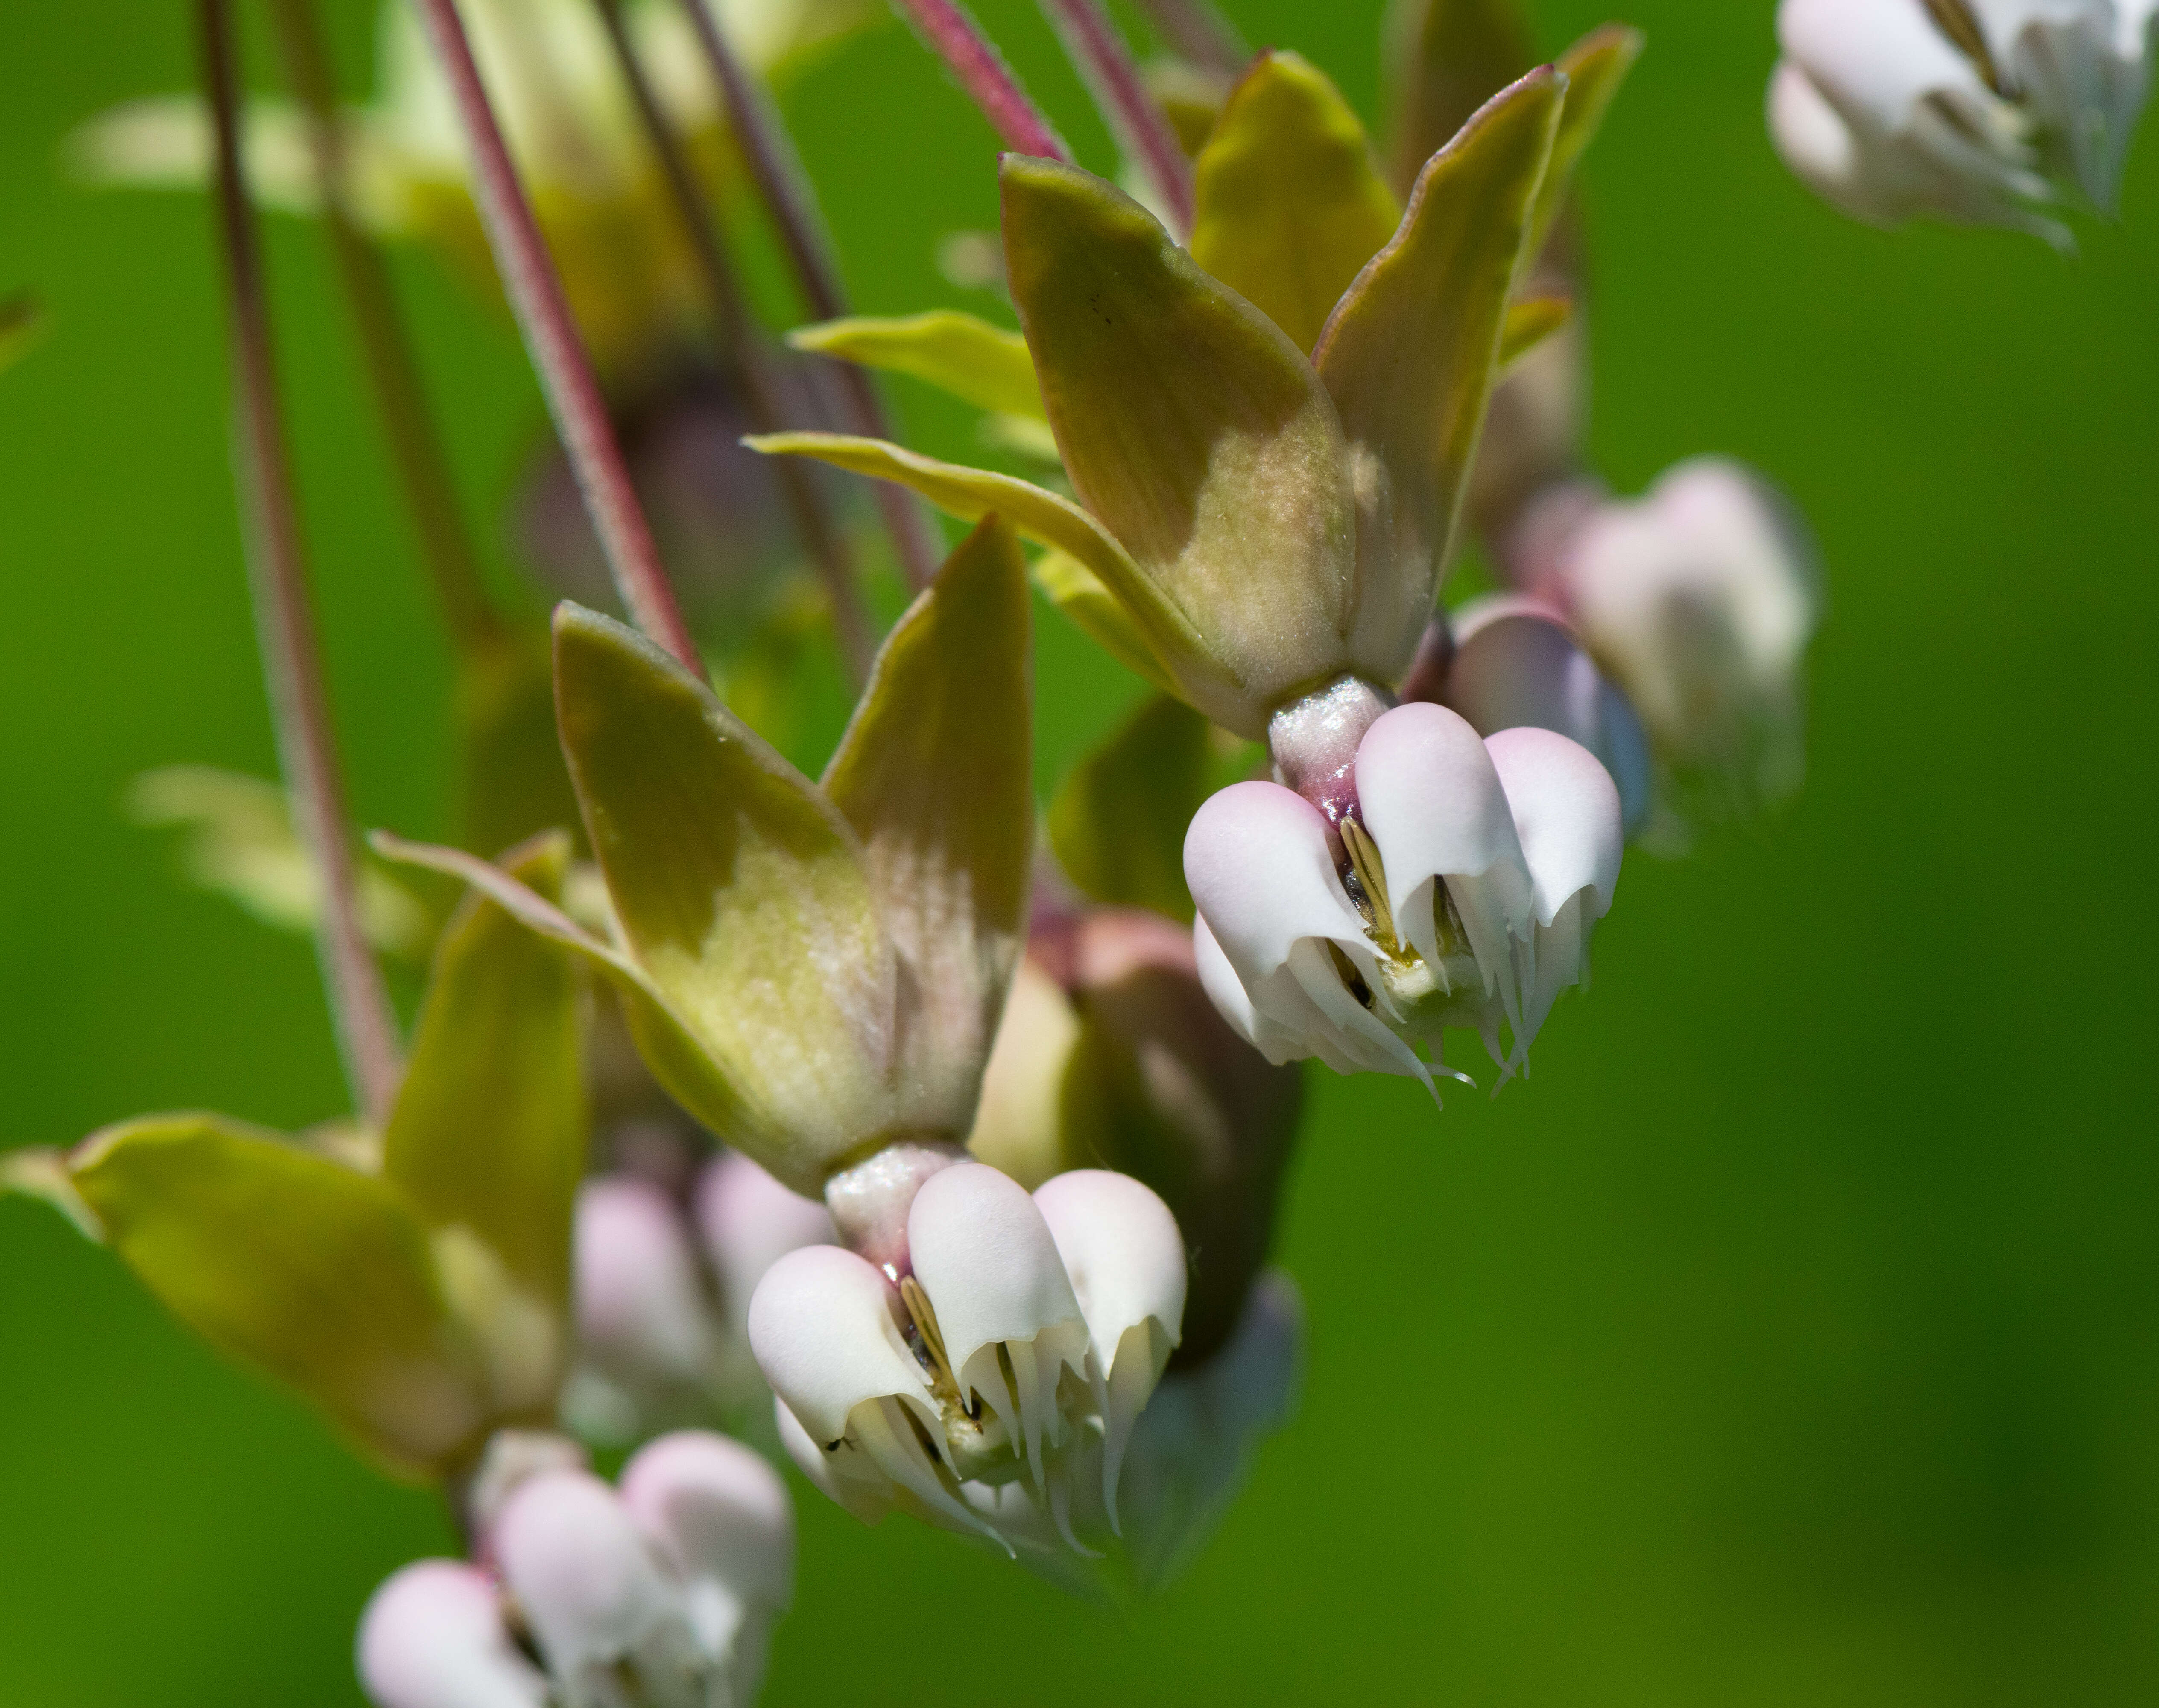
<point>989,1264</point>
<point>1126,1260</point>
<point>747,1221</point>
<point>1566,811</point>
<point>1516,663</point>
<point>641,1312</point>
<point>1434,807</point>
<point>822,1331</point>
<point>591,1592</point>
<point>1257,862</point>
<point>715,1511</point>
<point>433,1636</point>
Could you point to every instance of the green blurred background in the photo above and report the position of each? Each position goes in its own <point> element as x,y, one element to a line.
<point>1790,1338</point>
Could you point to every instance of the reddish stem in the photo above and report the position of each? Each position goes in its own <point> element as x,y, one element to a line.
<point>790,200</point>
<point>948,32</point>
<point>291,663</point>
<point>1135,117</point>
<point>557,352</point>
<point>820,537</point>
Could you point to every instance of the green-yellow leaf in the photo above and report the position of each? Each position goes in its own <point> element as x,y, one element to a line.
<point>310,1271</point>
<point>1410,358</point>
<point>935,774</point>
<point>740,891</point>
<point>1446,58</point>
<point>971,494</point>
<point>1530,322</point>
<point>1289,201</point>
<point>1191,427</point>
<point>1594,67</point>
<point>1119,819</point>
<point>489,1128</point>
<point>1077,592</point>
<point>962,353</point>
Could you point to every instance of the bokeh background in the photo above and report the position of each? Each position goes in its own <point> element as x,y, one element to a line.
<point>1791,1336</point>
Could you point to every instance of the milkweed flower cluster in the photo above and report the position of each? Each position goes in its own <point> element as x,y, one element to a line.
<point>1980,111</point>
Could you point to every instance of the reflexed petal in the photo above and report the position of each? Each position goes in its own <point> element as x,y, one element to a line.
<point>1436,810</point>
<point>593,1595</point>
<point>433,1636</point>
<point>1121,1248</point>
<point>823,1333</point>
<point>843,1473</point>
<point>718,1515</point>
<point>1566,810</point>
<point>749,1221</point>
<point>2080,67</point>
<point>986,1258</point>
<point>1515,664</point>
<point>1190,425</point>
<point>1257,862</point>
<point>641,1314</point>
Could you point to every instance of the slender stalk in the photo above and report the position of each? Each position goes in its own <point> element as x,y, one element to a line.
<point>557,352</point>
<point>1135,117</point>
<point>360,1007</point>
<point>812,521</point>
<point>790,201</point>
<point>392,370</point>
<point>948,32</point>
<point>1196,30</point>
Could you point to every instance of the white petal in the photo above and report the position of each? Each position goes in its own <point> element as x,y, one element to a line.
<point>641,1312</point>
<point>1566,810</point>
<point>2078,66</point>
<point>822,1331</point>
<point>1434,806</point>
<point>1257,862</point>
<point>433,1636</point>
<point>594,1595</point>
<point>843,1472</point>
<point>986,1258</point>
<point>747,1221</point>
<point>1876,58</point>
<point>1121,1247</point>
<point>1516,663</point>
<point>717,1512</point>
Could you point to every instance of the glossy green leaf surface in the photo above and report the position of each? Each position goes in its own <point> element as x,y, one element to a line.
<point>1409,357</point>
<point>303,1268</point>
<point>1119,818</point>
<point>1290,202</point>
<point>962,353</point>
<point>741,893</point>
<point>971,494</point>
<point>1191,427</point>
<point>1446,59</point>
<point>934,773</point>
<point>490,1129</point>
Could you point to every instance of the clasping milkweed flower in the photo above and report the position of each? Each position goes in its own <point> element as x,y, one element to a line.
<point>1269,438</point>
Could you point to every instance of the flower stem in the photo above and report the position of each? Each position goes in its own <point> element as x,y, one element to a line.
<point>813,519</point>
<point>1196,30</point>
<point>948,32</point>
<point>392,370</point>
<point>790,201</point>
<point>360,1007</point>
<point>1135,117</point>
<point>558,353</point>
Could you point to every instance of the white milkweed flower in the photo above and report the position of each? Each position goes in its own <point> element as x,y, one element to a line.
<point>1018,1353</point>
<point>660,1594</point>
<point>1972,111</point>
<point>662,1294</point>
<point>1470,874</point>
<point>1517,663</point>
<point>1698,600</point>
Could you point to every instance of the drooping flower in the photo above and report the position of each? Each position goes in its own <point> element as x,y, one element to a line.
<point>659,1593</point>
<point>1698,600</point>
<point>1979,112</point>
<point>1476,868</point>
<point>1036,1328</point>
